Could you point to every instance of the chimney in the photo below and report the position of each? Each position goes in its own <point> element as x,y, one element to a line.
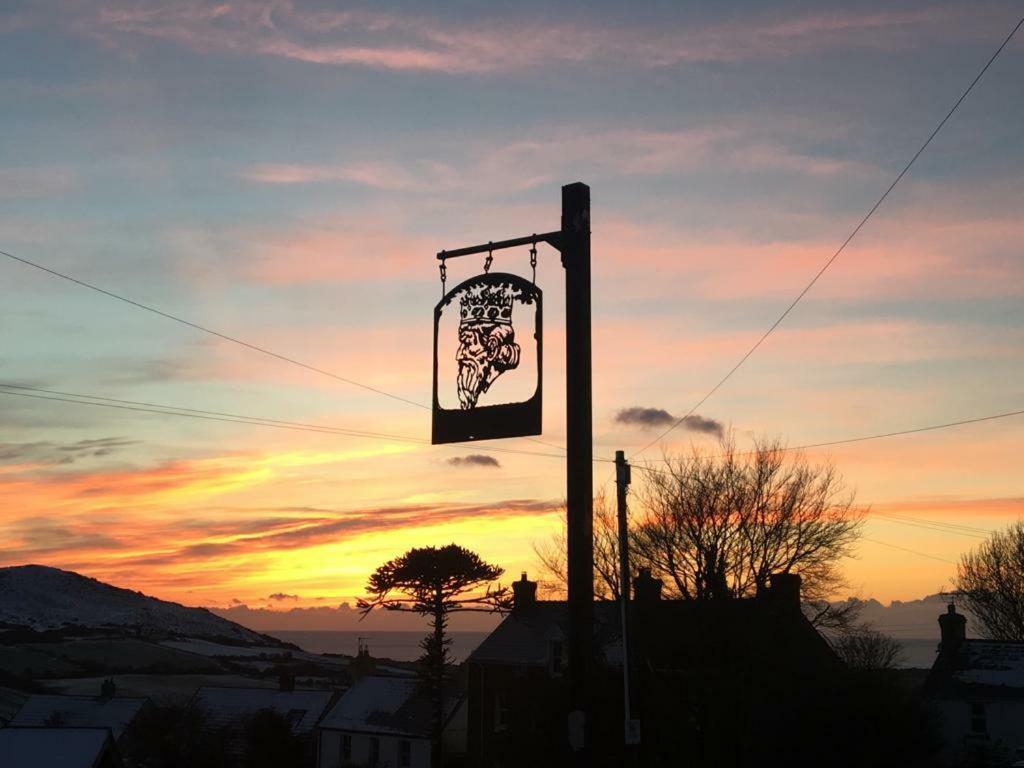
<point>285,679</point>
<point>108,689</point>
<point>646,589</point>
<point>953,626</point>
<point>784,590</point>
<point>363,664</point>
<point>524,593</point>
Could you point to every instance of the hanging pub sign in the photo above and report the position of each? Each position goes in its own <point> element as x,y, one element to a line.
<point>487,359</point>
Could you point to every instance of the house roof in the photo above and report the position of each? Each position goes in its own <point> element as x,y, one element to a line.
<point>672,633</point>
<point>979,668</point>
<point>386,705</point>
<point>66,747</point>
<point>10,702</point>
<point>115,713</point>
<point>525,636</point>
<point>227,707</point>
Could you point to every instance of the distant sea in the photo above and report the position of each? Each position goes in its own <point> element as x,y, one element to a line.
<point>404,646</point>
<point>400,646</point>
<point>918,652</point>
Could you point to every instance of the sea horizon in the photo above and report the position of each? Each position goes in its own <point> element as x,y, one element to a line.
<point>403,645</point>
<point>398,645</point>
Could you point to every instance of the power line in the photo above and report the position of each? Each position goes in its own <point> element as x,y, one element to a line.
<point>204,329</point>
<point>224,416</point>
<point>913,431</point>
<point>911,551</point>
<point>863,438</point>
<point>137,406</point>
<point>177,410</point>
<point>841,248</point>
<point>172,409</point>
<point>220,416</point>
<point>227,337</point>
<point>944,523</point>
<point>925,525</point>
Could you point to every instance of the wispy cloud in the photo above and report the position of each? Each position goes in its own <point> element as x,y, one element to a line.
<point>415,43</point>
<point>120,541</point>
<point>388,176</point>
<point>49,453</point>
<point>558,152</point>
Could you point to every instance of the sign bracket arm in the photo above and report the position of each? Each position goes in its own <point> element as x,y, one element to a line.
<point>554,239</point>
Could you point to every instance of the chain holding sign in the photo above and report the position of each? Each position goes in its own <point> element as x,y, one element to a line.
<point>488,360</point>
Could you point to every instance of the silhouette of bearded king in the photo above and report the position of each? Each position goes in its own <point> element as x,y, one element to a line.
<point>487,346</point>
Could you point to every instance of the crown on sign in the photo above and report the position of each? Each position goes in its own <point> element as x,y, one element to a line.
<point>486,304</point>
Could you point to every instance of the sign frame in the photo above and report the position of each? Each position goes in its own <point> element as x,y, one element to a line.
<point>491,422</point>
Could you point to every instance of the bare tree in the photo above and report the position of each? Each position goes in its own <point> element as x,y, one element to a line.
<point>720,525</point>
<point>990,582</point>
<point>551,554</point>
<point>834,619</point>
<point>868,649</point>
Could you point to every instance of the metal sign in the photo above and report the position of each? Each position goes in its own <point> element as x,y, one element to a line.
<point>487,362</point>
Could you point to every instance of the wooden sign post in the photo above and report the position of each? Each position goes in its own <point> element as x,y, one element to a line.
<point>487,353</point>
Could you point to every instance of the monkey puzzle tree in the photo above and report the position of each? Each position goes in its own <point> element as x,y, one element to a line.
<point>435,582</point>
<point>990,581</point>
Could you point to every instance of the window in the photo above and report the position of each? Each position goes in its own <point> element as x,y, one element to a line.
<point>500,711</point>
<point>979,723</point>
<point>404,754</point>
<point>557,656</point>
<point>346,747</point>
<point>294,717</point>
<point>374,750</point>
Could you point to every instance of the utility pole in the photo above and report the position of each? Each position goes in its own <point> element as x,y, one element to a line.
<point>575,242</point>
<point>631,727</point>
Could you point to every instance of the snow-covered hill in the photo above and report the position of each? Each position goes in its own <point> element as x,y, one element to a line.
<point>42,598</point>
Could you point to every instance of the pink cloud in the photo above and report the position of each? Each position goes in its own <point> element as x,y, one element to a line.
<point>560,153</point>
<point>407,42</point>
<point>389,176</point>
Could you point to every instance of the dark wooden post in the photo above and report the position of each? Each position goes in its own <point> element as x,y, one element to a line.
<point>575,243</point>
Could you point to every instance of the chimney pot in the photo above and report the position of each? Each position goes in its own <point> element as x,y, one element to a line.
<point>524,593</point>
<point>953,627</point>
<point>646,589</point>
<point>785,590</point>
<point>286,680</point>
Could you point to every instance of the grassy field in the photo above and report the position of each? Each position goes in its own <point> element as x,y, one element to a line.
<point>161,688</point>
<point>72,658</point>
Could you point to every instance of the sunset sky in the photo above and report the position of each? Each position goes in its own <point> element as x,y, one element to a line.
<point>284,173</point>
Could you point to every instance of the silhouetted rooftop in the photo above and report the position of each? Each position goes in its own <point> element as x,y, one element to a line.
<point>115,713</point>
<point>228,707</point>
<point>386,705</point>
<point>731,631</point>
<point>991,668</point>
<point>64,747</point>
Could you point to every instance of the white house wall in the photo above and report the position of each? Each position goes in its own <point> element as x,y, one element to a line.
<point>1004,721</point>
<point>330,751</point>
